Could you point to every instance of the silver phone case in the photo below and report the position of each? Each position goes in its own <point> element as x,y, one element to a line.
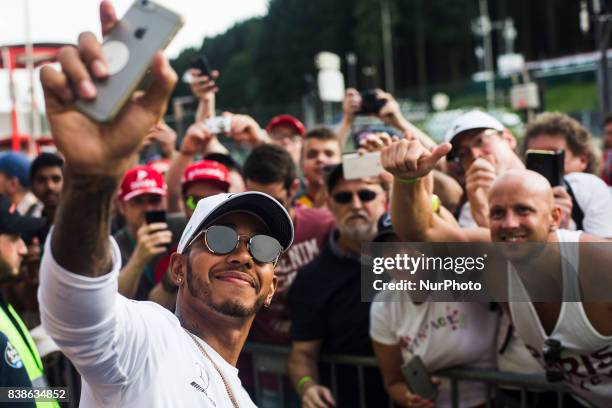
<point>160,26</point>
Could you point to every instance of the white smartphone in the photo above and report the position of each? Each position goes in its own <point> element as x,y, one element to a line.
<point>219,124</point>
<point>129,48</point>
<point>356,166</point>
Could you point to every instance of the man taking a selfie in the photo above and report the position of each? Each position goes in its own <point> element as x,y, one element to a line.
<point>133,354</point>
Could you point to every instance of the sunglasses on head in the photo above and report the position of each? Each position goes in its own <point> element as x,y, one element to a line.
<point>222,240</point>
<point>345,197</point>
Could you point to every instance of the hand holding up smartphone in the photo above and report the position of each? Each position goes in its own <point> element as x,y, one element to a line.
<point>129,49</point>
<point>153,237</point>
<point>88,79</point>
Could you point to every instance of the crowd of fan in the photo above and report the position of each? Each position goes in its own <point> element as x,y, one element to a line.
<point>317,308</point>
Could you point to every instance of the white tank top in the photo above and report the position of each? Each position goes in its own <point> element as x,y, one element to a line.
<point>587,355</point>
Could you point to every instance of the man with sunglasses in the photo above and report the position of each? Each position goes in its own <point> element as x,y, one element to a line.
<point>137,354</point>
<point>142,244</point>
<point>201,179</point>
<point>327,315</point>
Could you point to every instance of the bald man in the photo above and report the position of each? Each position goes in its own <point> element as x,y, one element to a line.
<point>576,335</point>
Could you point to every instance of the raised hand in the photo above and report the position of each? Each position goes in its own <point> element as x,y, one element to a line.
<point>196,139</point>
<point>479,178</point>
<point>152,239</point>
<point>351,104</point>
<point>245,129</point>
<point>375,142</point>
<point>204,86</point>
<point>92,148</point>
<point>409,159</point>
<point>564,201</point>
<point>164,135</point>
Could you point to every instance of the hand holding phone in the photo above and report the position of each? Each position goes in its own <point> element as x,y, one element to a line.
<point>548,163</point>
<point>103,149</point>
<point>129,49</point>
<point>371,104</point>
<point>152,217</point>
<point>418,379</point>
<point>201,64</point>
<point>153,237</point>
<point>219,124</point>
<point>356,166</point>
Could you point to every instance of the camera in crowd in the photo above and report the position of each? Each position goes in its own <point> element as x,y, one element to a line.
<point>371,104</point>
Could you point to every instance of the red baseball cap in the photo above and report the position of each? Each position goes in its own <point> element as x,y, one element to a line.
<point>207,170</point>
<point>286,120</point>
<point>141,180</point>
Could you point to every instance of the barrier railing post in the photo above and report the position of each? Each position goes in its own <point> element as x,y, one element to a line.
<point>256,381</point>
<point>334,382</point>
<point>560,399</point>
<point>523,398</point>
<point>281,389</point>
<point>362,403</point>
<point>455,393</point>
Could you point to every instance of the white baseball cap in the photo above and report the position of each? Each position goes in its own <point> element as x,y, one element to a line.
<point>271,212</point>
<point>472,120</point>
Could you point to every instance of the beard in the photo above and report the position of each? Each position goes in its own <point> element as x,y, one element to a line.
<point>7,271</point>
<point>233,308</point>
<point>357,230</point>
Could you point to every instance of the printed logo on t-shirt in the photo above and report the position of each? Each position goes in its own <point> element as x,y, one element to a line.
<point>451,320</point>
<point>11,356</point>
<point>297,256</point>
<point>583,371</point>
<point>203,383</point>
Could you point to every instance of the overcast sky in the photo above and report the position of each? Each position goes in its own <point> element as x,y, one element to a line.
<point>62,20</point>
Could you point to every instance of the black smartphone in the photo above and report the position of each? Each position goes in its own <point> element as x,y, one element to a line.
<point>418,379</point>
<point>152,217</point>
<point>370,103</point>
<point>201,62</point>
<point>548,163</point>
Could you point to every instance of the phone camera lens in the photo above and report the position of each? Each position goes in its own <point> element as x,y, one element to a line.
<point>140,32</point>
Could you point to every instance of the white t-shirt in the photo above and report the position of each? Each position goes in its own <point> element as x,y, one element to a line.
<point>129,353</point>
<point>595,200</point>
<point>443,334</point>
<point>593,197</point>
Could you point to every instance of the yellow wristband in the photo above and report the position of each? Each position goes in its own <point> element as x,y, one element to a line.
<point>435,203</point>
<point>303,382</point>
<point>407,181</point>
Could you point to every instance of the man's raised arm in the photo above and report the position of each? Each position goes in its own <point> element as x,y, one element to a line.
<point>80,307</point>
<point>96,155</point>
<point>413,217</point>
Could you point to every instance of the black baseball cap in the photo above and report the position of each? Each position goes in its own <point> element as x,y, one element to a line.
<point>11,222</point>
<point>385,228</point>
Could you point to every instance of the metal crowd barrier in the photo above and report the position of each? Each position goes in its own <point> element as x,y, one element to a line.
<point>273,360</point>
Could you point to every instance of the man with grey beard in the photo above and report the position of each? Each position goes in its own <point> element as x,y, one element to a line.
<point>327,314</point>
